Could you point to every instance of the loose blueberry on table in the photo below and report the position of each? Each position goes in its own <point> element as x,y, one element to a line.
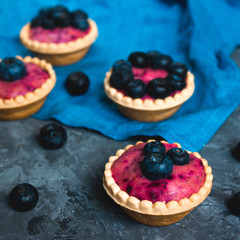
<point>23,197</point>
<point>52,136</point>
<point>77,83</point>
<point>149,75</point>
<point>59,25</point>
<point>149,171</point>
<point>234,204</point>
<point>236,152</point>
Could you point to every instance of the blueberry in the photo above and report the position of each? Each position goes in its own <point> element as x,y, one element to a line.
<point>36,22</point>
<point>12,69</point>
<point>78,14</point>
<point>153,147</point>
<point>79,20</point>
<point>116,81</point>
<point>57,11</point>
<point>178,68</point>
<point>234,204</point>
<point>153,53</point>
<point>52,136</point>
<point>156,166</point>
<point>158,61</point>
<point>60,15</point>
<point>48,23</point>
<point>121,65</point>
<point>158,88</point>
<point>23,197</point>
<point>120,78</point>
<point>135,88</point>
<point>138,59</point>
<point>236,152</point>
<point>77,83</point>
<point>179,156</point>
<point>63,21</point>
<point>81,24</point>
<point>126,74</point>
<point>44,11</point>
<point>177,82</point>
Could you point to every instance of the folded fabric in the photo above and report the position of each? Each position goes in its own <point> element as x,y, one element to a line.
<point>200,33</point>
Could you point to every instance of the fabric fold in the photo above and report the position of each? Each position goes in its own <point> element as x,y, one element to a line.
<point>202,34</point>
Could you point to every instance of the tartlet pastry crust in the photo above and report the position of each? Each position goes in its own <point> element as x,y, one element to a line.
<point>38,93</point>
<point>58,48</point>
<point>60,54</point>
<point>149,104</point>
<point>23,106</point>
<point>158,213</point>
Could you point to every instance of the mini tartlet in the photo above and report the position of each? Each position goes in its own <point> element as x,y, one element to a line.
<point>155,213</point>
<point>62,53</point>
<point>149,109</point>
<point>17,105</point>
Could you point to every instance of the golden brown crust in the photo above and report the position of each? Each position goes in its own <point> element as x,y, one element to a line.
<point>157,208</point>
<point>59,48</point>
<point>148,104</point>
<point>31,97</point>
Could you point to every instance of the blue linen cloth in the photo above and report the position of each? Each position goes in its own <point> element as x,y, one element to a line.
<point>200,33</point>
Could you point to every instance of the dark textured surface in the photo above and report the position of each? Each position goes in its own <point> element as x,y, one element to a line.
<point>72,203</point>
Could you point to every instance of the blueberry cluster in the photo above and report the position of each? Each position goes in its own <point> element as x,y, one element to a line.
<point>59,16</point>
<point>158,165</point>
<point>122,77</point>
<point>12,69</point>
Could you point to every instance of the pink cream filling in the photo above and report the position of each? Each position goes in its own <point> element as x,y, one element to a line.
<point>57,35</point>
<point>182,183</point>
<point>147,75</point>
<point>35,77</point>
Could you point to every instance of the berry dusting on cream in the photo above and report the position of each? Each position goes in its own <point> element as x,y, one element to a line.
<point>57,35</point>
<point>34,78</point>
<point>183,181</point>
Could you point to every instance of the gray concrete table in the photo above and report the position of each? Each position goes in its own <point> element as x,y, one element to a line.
<point>73,204</point>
